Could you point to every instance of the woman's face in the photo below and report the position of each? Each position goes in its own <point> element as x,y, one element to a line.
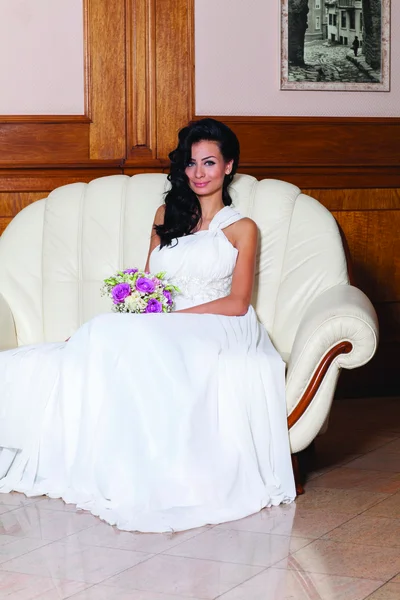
<point>207,168</point>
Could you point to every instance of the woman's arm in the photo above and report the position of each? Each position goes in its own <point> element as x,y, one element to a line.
<point>243,235</point>
<point>154,239</point>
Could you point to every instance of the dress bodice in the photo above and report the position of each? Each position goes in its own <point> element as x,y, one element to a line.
<point>200,264</point>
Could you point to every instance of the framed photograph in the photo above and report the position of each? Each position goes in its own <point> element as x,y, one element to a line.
<point>341,45</point>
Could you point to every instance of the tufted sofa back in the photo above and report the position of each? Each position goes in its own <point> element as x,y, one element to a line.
<point>56,252</point>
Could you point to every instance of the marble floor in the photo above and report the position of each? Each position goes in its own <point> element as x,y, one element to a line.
<point>340,541</point>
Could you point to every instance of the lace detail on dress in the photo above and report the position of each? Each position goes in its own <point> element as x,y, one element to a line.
<point>202,264</point>
<point>195,288</point>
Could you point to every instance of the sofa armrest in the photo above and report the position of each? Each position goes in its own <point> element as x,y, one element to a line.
<point>8,337</point>
<point>339,315</point>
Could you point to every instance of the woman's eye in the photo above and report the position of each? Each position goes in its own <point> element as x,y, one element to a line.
<point>209,163</point>
<point>190,164</point>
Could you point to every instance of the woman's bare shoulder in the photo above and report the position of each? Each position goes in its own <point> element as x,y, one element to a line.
<point>242,232</point>
<point>247,222</point>
<point>245,226</point>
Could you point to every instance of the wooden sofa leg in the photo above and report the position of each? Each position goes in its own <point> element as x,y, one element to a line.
<point>298,478</point>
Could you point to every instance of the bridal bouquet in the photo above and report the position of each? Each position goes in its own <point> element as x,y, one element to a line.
<point>136,291</point>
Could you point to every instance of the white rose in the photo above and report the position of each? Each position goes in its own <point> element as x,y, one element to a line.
<point>131,303</point>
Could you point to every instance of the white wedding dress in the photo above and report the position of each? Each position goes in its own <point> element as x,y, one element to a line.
<point>154,422</point>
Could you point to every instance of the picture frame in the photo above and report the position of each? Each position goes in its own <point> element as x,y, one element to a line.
<point>337,45</point>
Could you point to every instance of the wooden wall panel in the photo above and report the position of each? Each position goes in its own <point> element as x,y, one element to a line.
<point>159,78</point>
<point>358,199</point>
<point>106,44</point>
<point>36,178</point>
<point>4,221</point>
<point>141,82</point>
<point>7,205</point>
<point>174,71</point>
<point>389,321</point>
<point>327,152</point>
<point>12,202</point>
<point>327,141</point>
<point>328,176</point>
<point>43,142</point>
<point>374,242</point>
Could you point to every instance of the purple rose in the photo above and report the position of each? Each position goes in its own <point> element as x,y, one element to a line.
<point>168,296</point>
<point>120,292</point>
<point>153,306</point>
<point>130,271</point>
<point>145,285</point>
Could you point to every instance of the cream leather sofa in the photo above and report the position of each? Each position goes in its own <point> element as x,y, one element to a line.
<point>56,252</point>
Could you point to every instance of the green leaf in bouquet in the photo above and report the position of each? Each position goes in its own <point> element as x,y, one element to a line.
<point>111,281</point>
<point>172,288</point>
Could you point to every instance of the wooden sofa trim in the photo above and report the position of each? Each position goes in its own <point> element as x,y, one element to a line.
<point>317,378</point>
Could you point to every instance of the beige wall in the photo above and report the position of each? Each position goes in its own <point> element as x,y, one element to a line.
<point>41,57</point>
<point>237,67</point>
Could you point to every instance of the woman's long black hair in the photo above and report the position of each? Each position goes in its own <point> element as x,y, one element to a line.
<point>182,206</point>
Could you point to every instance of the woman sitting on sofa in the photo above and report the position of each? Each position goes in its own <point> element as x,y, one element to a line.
<point>159,422</point>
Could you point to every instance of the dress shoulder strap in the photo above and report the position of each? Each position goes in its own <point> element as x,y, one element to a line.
<point>225,217</point>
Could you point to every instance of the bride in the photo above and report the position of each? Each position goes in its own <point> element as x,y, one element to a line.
<point>161,422</point>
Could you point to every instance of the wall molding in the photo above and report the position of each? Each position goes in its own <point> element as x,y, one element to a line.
<point>330,177</point>
<point>141,80</point>
<point>23,177</point>
<point>320,152</point>
<point>44,119</point>
<point>87,63</point>
<point>160,63</point>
